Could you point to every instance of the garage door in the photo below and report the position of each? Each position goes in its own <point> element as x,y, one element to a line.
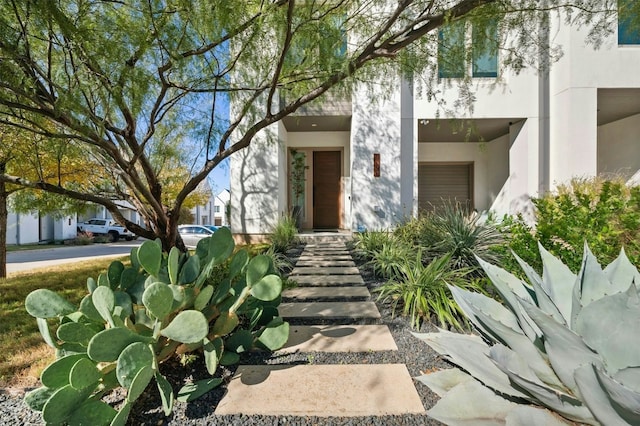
<point>438,182</point>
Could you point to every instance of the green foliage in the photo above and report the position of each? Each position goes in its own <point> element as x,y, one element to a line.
<point>604,213</point>
<point>452,230</point>
<point>368,243</point>
<point>561,343</point>
<point>422,291</point>
<point>284,234</point>
<point>136,317</point>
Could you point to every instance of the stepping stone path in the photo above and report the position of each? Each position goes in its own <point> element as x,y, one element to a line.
<point>332,296</point>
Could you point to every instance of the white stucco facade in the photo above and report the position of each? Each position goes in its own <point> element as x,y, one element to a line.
<point>524,134</point>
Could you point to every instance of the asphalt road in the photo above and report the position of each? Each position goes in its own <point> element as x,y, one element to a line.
<point>27,260</point>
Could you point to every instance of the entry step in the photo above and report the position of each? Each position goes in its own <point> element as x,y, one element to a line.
<point>339,338</point>
<point>326,310</point>
<point>302,293</point>
<point>321,390</point>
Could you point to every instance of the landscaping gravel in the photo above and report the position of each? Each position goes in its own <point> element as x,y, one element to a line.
<point>412,352</point>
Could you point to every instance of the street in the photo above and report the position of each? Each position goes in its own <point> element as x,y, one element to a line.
<point>19,261</point>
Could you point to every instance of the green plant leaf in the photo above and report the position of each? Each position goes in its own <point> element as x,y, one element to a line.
<point>139,383</point>
<point>150,257</point>
<point>622,273</point>
<point>158,299</point>
<point>268,288</point>
<point>166,393</point>
<point>36,398</point>
<point>56,374</point>
<point>257,268</point>
<point>75,332</point>
<point>225,323</point>
<point>221,245</point>
<point>197,389</point>
<point>104,301</point>
<point>190,270</point>
<point>275,337</point>
<point>238,262</point>
<point>128,278</point>
<point>83,374</point>
<point>240,341</point>
<point>43,327</point>
<point>598,401</point>
<point>558,282</point>
<point>114,273</point>
<point>91,284</point>
<point>44,303</point>
<point>187,327</point>
<point>212,353</point>
<point>202,299</point>
<point>173,264</point>
<point>63,403</point>
<point>108,344</point>
<point>229,358</point>
<point>121,418</point>
<point>133,358</point>
<point>89,310</point>
<point>96,413</point>
<point>442,381</point>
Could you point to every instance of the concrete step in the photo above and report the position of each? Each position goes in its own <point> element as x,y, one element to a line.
<point>316,270</point>
<point>324,257</point>
<point>325,263</point>
<point>321,390</point>
<point>302,293</point>
<point>329,310</point>
<point>327,280</point>
<point>339,338</point>
<point>325,237</point>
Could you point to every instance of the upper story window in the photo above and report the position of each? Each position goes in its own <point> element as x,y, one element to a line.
<point>628,30</point>
<point>456,51</point>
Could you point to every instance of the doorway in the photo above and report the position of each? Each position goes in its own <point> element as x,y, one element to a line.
<point>326,189</point>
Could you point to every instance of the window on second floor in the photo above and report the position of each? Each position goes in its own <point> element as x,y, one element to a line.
<point>455,52</point>
<point>628,22</point>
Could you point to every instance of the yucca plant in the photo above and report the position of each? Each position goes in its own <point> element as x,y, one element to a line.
<point>562,348</point>
<point>388,260</point>
<point>284,234</point>
<point>452,229</point>
<point>369,242</point>
<point>421,290</point>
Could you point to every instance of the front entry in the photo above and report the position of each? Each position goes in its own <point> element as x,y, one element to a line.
<point>326,189</point>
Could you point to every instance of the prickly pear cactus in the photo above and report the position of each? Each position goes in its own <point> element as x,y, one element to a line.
<point>560,348</point>
<point>135,317</point>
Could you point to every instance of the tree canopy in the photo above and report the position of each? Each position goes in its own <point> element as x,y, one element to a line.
<point>137,84</point>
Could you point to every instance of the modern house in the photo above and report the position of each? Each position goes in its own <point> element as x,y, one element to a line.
<point>371,161</point>
<point>214,211</point>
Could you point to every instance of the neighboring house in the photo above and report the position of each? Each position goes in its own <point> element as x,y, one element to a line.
<point>373,161</point>
<point>214,211</point>
<point>32,228</point>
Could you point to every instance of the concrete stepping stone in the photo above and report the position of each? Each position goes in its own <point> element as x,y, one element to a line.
<point>327,280</point>
<point>316,270</point>
<point>302,293</point>
<point>321,390</point>
<point>339,338</point>
<point>325,263</point>
<point>304,257</point>
<point>329,310</point>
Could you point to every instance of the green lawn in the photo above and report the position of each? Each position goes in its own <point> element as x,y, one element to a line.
<point>23,353</point>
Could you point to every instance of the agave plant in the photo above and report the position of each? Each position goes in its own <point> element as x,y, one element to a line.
<point>562,348</point>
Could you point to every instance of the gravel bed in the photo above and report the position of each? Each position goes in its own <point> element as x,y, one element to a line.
<point>414,353</point>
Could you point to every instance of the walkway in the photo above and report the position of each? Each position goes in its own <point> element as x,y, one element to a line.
<point>332,298</point>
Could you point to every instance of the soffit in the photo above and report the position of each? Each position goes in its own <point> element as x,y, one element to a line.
<point>616,104</point>
<point>463,130</point>
<point>306,123</point>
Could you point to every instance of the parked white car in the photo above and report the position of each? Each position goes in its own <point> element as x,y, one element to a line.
<point>191,234</point>
<point>106,227</point>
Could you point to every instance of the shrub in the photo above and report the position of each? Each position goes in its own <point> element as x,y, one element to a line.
<point>421,290</point>
<point>136,317</point>
<point>369,242</point>
<point>562,343</point>
<point>604,213</point>
<point>453,230</point>
<point>284,234</point>
<point>388,260</point>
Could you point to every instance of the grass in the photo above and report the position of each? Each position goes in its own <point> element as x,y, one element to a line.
<point>24,247</point>
<point>23,353</point>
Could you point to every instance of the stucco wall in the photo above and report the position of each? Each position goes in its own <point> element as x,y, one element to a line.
<point>22,228</point>
<point>255,184</point>
<point>376,128</point>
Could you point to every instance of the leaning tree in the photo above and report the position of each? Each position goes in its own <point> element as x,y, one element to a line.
<point>129,81</point>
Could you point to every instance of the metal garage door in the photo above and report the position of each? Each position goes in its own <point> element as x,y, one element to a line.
<point>438,182</point>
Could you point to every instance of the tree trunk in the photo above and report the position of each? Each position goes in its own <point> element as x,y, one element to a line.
<point>3,224</point>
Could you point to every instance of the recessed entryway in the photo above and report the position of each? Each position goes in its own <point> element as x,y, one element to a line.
<point>326,189</point>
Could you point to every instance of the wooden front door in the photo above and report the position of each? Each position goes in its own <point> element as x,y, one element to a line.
<point>326,189</point>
